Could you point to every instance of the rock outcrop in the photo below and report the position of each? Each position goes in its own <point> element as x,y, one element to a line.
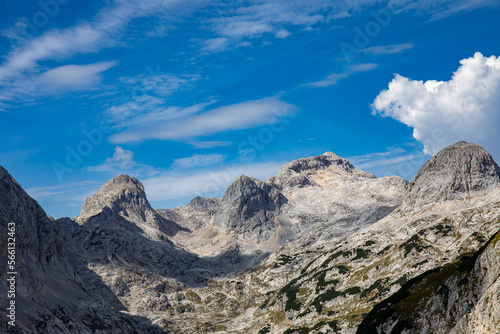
<point>456,172</point>
<point>50,296</point>
<point>320,247</point>
<point>316,171</point>
<point>460,297</point>
<point>194,216</point>
<point>125,196</point>
<point>249,208</point>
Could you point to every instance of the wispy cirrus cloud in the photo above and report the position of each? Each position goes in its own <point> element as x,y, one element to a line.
<point>71,194</point>
<point>334,78</point>
<point>122,162</point>
<point>391,156</point>
<point>238,20</point>
<point>23,64</point>
<point>57,80</point>
<point>192,122</point>
<point>387,49</point>
<point>72,77</point>
<point>173,185</point>
<point>400,161</point>
<point>209,144</point>
<point>159,84</point>
<point>198,161</point>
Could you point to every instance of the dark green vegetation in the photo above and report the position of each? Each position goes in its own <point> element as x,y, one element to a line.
<point>411,299</point>
<point>332,294</point>
<point>266,329</point>
<point>478,237</point>
<point>283,259</point>
<point>361,253</point>
<point>416,265</point>
<point>333,325</point>
<point>375,285</point>
<point>412,244</point>
<point>290,291</point>
<point>444,230</point>
<point>386,248</point>
<point>320,276</point>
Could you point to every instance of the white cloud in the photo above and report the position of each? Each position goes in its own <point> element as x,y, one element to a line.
<point>209,143</point>
<point>122,162</point>
<point>74,193</point>
<point>388,49</point>
<point>190,123</point>
<point>198,160</point>
<point>176,185</point>
<point>215,44</point>
<point>391,156</point>
<point>158,83</point>
<point>234,21</point>
<point>450,7</point>
<point>283,33</point>
<point>144,111</point>
<point>146,100</point>
<point>443,112</point>
<point>245,29</point>
<point>54,81</point>
<point>104,30</point>
<point>393,161</point>
<point>73,77</point>
<point>334,78</point>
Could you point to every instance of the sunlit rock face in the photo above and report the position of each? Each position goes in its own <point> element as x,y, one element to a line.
<point>320,247</point>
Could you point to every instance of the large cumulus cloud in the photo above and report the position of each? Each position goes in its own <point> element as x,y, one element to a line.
<point>467,107</point>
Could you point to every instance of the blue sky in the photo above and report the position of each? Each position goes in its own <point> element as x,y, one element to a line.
<point>187,95</point>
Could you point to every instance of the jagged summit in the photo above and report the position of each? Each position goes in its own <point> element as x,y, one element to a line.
<point>247,204</point>
<point>47,285</point>
<point>317,170</point>
<point>460,170</point>
<point>124,195</point>
<point>120,193</point>
<point>327,160</point>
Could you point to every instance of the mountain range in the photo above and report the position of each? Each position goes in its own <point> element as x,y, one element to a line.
<point>322,247</point>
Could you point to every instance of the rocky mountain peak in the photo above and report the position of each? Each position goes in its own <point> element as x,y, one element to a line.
<point>203,203</point>
<point>457,171</point>
<point>53,296</point>
<point>120,194</point>
<point>317,170</point>
<point>327,160</point>
<point>247,205</point>
<point>125,196</point>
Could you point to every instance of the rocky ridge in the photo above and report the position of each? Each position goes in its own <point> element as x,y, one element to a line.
<point>456,172</point>
<point>312,250</point>
<point>50,296</point>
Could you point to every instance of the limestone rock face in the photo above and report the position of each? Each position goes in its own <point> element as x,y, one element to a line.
<point>125,196</point>
<point>305,191</point>
<point>316,170</point>
<point>248,208</point>
<point>197,214</point>
<point>461,297</point>
<point>458,171</point>
<point>50,296</point>
<point>313,249</point>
